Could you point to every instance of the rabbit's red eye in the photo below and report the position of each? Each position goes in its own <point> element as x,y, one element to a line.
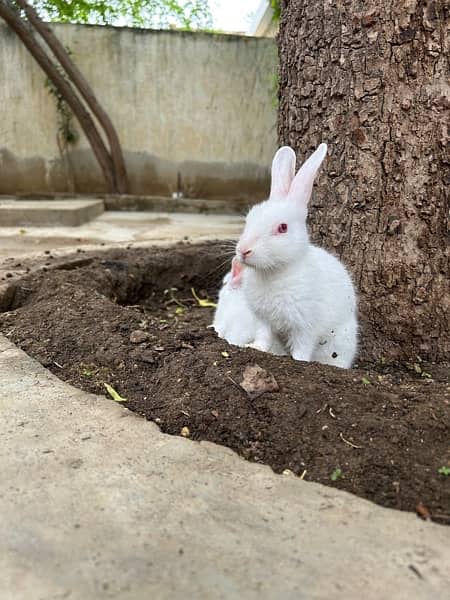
<point>282,228</point>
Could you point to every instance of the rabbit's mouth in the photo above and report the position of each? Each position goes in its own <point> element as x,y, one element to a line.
<point>249,260</point>
<point>260,264</point>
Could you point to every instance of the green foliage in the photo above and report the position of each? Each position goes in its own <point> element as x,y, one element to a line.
<point>418,369</point>
<point>336,474</point>
<point>445,471</point>
<point>113,393</point>
<point>66,127</point>
<point>183,14</point>
<point>65,124</point>
<point>275,4</point>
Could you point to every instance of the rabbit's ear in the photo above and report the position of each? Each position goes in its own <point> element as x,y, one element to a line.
<point>283,171</point>
<point>302,185</point>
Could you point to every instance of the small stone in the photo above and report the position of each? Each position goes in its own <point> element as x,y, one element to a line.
<point>138,336</point>
<point>257,381</point>
<point>288,472</point>
<point>185,432</point>
<point>146,357</point>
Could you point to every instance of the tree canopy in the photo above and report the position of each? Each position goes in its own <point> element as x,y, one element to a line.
<point>275,4</point>
<point>184,14</point>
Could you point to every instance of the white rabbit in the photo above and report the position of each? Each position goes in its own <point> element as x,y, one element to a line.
<point>233,319</point>
<point>299,292</point>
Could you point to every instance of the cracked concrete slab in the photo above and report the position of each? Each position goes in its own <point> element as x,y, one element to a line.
<point>97,503</point>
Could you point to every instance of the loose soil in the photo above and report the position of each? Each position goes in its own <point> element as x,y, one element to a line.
<point>128,318</point>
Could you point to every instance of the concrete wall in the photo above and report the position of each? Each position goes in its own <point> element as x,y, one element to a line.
<point>194,108</point>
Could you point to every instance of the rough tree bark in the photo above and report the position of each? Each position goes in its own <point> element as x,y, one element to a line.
<point>13,19</point>
<point>85,90</point>
<point>370,77</point>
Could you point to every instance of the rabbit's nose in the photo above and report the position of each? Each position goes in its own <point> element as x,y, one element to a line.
<point>245,253</point>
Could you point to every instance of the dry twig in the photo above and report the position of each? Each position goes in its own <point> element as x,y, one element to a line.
<point>349,443</point>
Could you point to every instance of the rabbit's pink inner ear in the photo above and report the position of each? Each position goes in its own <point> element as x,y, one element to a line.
<point>302,185</point>
<point>283,171</point>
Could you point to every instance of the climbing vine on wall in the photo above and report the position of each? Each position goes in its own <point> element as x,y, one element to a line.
<point>66,127</point>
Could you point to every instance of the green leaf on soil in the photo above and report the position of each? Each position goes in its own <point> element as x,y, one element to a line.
<point>204,302</point>
<point>418,369</point>
<point>336,474</point>
<point>366,381</point>
<point>445,471</point>
<point>179,310</point>
<point>114,395</point>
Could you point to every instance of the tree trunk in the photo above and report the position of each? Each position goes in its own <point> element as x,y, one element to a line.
<point>13,19</point>
<point>370,78</point>
<point>77,78</point>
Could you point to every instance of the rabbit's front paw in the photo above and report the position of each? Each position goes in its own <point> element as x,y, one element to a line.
<point>262,347</point>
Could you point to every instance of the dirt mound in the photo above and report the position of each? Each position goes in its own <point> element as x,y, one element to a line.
<point>128,318</point>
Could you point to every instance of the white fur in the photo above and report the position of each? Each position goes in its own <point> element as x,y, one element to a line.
<point>235,321</point>
<point>300,293</point>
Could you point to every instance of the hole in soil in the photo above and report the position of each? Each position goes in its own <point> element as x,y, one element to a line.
<point>128,318</point>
